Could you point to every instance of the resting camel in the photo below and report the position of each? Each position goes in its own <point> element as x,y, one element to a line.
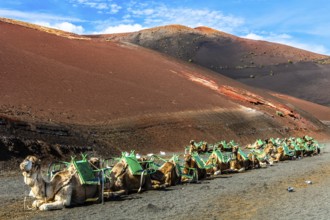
<point>190,165</point>
<point>222,148</point>
<point>123,181</point>
<point>280,154</point>
<point>219,165</point>
<point>166,174</point>
<point>238,162</point>
<point>64,188</point>
<point>256,145</point>
<point>200,150</point>
<point>260,159</point>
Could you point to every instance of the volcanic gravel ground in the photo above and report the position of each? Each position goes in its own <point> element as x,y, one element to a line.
<point>255,194</point>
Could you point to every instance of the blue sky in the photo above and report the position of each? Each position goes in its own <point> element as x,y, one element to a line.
<point>300,23</point>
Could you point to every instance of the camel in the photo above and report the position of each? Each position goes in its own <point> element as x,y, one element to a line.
<point>297,148</point>
<point>167,174</point>
<point>256,145</point>
<point>125,179</point>
<point>239,162</point>
<point>204,148</point>
<point>223,147</point>
<point>192,148</point>
<point>260,159</point>
<point>283,153</point>
<point>216,158</point>
<point>64,189</point>
<point>191,168</point>
<point>200,148</point>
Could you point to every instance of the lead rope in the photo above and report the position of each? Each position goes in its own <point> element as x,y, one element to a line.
<point>25,206</point>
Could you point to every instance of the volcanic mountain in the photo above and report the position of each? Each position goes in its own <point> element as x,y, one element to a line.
<point>262,64</point>
<point>68,90</point>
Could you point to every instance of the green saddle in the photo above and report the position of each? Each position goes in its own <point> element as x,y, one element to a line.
<point>287,151</point>
<point>87,175</point>
<point>200,162</point>
<point>133,165</point>
<point>243,154</point>
<point>224,158</point>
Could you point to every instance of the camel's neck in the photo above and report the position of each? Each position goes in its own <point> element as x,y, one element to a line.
<point>38,185</point>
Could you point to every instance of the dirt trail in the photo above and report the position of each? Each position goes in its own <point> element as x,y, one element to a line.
<point>256,194</point>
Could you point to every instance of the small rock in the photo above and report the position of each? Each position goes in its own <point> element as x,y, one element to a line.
<point>290,189</point>
<point>308,182</point>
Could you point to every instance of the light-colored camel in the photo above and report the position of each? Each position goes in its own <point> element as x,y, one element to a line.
<point>64,188</point>
<point>256,145</point>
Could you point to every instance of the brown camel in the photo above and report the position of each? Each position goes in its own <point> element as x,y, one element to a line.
<point>164,175</point>
<point>191,166</point>
<point>217,159</point>
<point>239,162</point>
<point>280,154</point>
<point>125,179</point>
<point>64,188</point>
<point>260,158</point>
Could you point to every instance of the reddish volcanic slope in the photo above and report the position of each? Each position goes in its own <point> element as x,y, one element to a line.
<point>116,96</point>
<point>319,111</point>
<point>257,63</point>
<point>94,81</point>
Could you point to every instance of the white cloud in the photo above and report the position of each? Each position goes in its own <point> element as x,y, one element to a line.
<point>156,15</point>
<point>104,5</point>
<point>29,16</point>
<point>64,26</point>
<point>288,40</point>
<point>114,8</point>
<point>47,20</point>
<point>122,28</point>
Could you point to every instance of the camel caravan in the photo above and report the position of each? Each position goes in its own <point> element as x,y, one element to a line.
<point>94,179</point>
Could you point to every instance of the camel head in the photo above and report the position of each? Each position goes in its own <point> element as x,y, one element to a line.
<point>143,162</point>
<point>235,149</point>
<point>204,147</point>
<point>95,162</point>
<point>118,173</point>
<point>221,147</point>
<point>213,158</point>
<point>30,168</point>
<point>188,163</point>
<point>269,149</point>
<point>30,165</point>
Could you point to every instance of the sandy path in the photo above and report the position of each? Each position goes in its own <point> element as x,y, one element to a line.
<point>256,194</point>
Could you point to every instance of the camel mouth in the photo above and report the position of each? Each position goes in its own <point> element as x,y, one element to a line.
<point>26,166</point>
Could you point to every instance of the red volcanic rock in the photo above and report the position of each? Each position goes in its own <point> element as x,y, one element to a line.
<point>272,66</point>
<point>118,96</point>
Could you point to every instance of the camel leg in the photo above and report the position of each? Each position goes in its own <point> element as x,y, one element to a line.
<point>37,203</point>
<point>157,185</point>
<point>61,200</point>
<point>52,206</point>
<point>117,193</point>
<point>241,170</point>
<point>168,180</point>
